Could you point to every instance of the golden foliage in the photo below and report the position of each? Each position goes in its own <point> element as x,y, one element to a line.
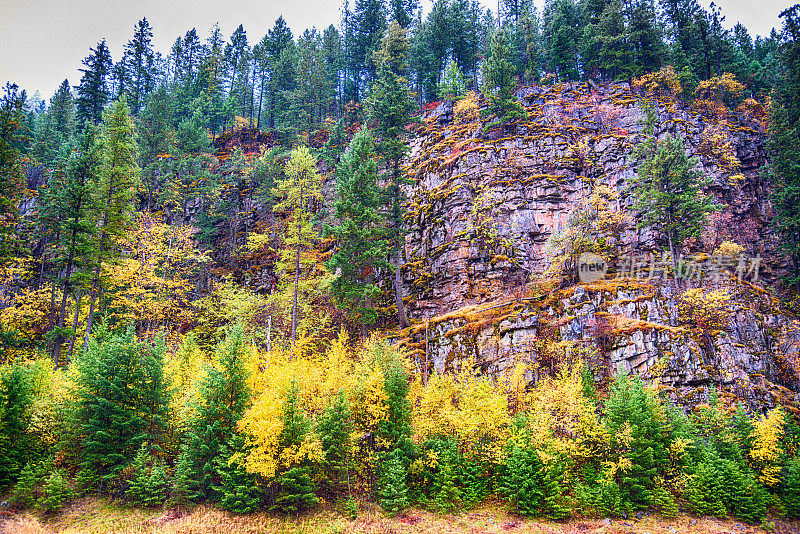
<point>662,83</point>
<point>469,409</point>
<point>708,311</point>
<point>767,450</point>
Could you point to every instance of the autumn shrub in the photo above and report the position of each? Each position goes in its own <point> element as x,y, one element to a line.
<point>708,311</point>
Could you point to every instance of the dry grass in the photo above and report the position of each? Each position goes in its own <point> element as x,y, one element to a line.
<point>95,516</point>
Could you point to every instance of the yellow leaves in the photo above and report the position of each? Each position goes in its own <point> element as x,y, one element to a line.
<point>766,452</point>
<point>318,379</point>
<point>663,83</point>
<point>29,313</point>
<point>729,248</point>
<point>466,110</point>
<point>469,409</point>
<point>707,310</point>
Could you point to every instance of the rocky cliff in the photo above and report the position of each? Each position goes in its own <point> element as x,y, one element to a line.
<point>483,209</point>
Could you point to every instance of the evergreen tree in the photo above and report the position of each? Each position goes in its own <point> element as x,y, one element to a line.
<point>279,56</point>
<point>390,110</point>
<point>393,492</point>
<point>120,401</point>
<point>114,189</point>
<point>11,176</point>
<point>223,396</point>
<point>784,144</point>
<point>368,26</point>
<point>362,247</point>
<point>139,64</point>
<point>531,486</point>
<point>148,485</point>
<point>296,490</point>
<point>93,90</point>
<point>15,404</point>
<point>499,83</point>
<point>635,421</point>
<point>27,484</point>
<point>55,492</point>
<point>452,85</point>
<point>334,430</point>
<point>667,191</point>
<point>239,490</point>
<point>67,205</point>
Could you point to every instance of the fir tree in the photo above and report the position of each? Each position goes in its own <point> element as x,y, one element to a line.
<point>784,144</point>
<point>629,406</point>
<point>93,93</point>
<point>362,246</point>
<point>393,491</point>
<point>15,404</point>
<point>668,192</point>
<point>121,400</point>
<point>239,489</point>
<point>11,176</point>
<point>55,492</point>
<point>334,430</point>
<point>390,110</point>
<point>223,396</point>
<point>27,484</point>
<point>296,490</point>
<point>531,486</point>
<point>499,83</point>
<point>114,189</point>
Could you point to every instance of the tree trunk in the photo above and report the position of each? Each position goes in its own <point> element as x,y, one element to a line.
<point>296,281</point>
<point>402,318</point>
<point>75,325</point>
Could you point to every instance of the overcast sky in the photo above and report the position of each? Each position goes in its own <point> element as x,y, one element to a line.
<point>43,41</point>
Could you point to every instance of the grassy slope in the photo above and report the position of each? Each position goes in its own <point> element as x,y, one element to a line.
<point>94,516</point>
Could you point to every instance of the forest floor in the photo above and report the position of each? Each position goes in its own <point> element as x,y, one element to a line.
<point>96,516</point>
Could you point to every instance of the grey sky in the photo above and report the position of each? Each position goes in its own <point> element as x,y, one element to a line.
<point>43,41</point>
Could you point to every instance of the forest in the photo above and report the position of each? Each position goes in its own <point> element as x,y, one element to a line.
<point>208,295</point>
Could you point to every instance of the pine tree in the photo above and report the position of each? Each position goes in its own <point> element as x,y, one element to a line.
<point>667,191</point>
<point>11,176</point>
<point>784,144</point>
<point>499,83</point>
<point>362,248</point>
<point>390,110</point>
<point>93,90</point>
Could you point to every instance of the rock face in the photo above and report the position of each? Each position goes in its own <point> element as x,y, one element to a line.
<point>482,208</point>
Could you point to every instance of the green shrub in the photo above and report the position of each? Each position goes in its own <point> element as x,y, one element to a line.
<point>393,491</point>
<point>530,486</point>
